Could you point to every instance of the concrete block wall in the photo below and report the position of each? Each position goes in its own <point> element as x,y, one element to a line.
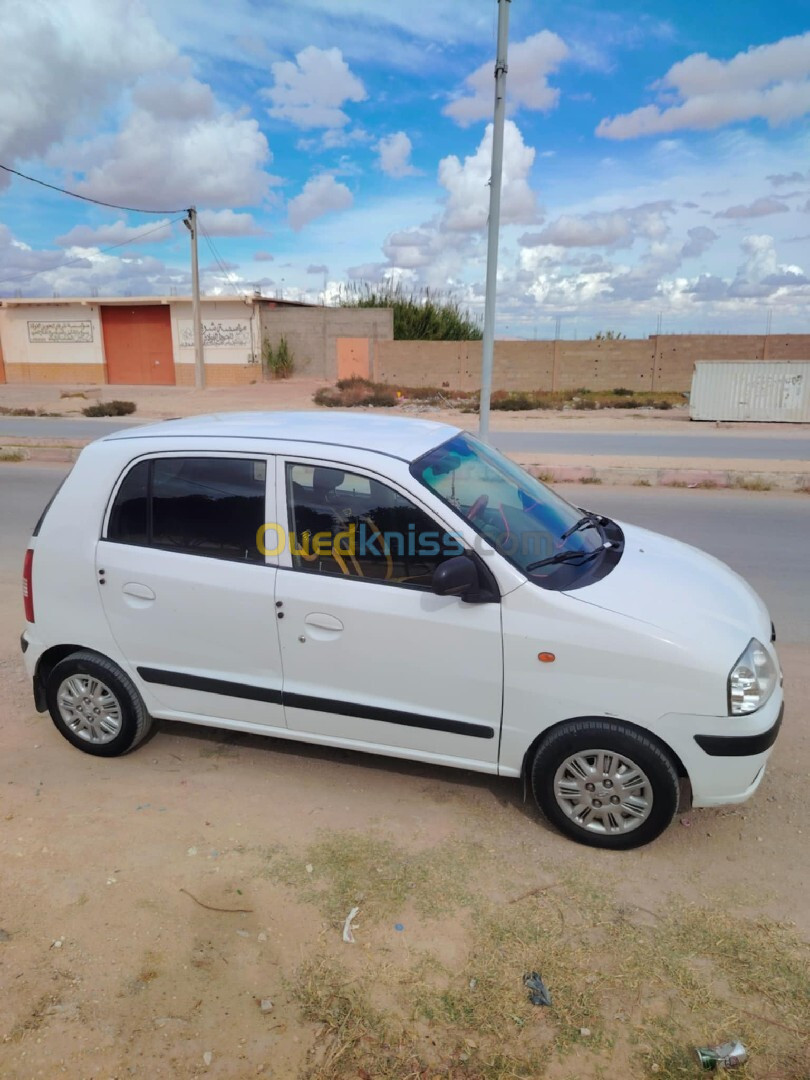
<point>663,363</point>
<point>312,333</point>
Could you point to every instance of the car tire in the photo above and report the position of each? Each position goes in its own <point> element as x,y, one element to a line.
<point>605,783</point>
<point>95,705</point>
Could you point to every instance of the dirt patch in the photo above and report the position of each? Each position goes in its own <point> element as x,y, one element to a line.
<point>116,961</point>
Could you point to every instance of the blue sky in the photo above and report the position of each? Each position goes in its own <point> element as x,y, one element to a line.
<point>657,162</point>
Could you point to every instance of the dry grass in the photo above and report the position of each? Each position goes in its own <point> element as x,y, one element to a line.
<point>5,411</point>
<point>357,391</point>
<point>752,483</point>
<point>12,455</point>
<point>359,868</point>
<point>590,480</point>
<point>633,991</point>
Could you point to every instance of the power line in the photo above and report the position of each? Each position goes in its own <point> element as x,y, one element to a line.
<point>220,262</point>
<point>101,251</point>
<point>86,198</point>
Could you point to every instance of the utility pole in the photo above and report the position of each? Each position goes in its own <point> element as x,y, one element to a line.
<point>190,223</point>
<point>494,217</point>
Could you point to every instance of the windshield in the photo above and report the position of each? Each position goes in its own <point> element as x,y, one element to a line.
<point>518,515</point>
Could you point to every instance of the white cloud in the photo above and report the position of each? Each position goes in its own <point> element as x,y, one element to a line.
<point>467,184</point>
<point>770,82</point>
<point>395,155</point>
<point>779,179</point>
<point>321,195</point>
<point>79,271</point>
<point>310,91</point>
<point>228,223</point>
<point>758,208</point>
<point>198,154</point>
<point>263,256</point>
<point>591,230</point>
<point>116,232</point>
<point>612,229</point>
<point>530,63</point>
<point>63,63</point>
<point>700,240</point>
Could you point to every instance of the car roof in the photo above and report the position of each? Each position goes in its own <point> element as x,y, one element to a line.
<point>396,436</point>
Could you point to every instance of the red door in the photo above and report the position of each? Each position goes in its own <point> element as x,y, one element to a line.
<point>138,344</point>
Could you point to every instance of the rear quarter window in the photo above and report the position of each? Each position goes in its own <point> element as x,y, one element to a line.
<point>199,506</point>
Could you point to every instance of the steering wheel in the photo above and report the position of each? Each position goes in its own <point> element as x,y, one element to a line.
<point>477,507</point>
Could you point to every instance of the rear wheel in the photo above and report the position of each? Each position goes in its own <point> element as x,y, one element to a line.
<point>95,705</point>
<point>605,784</point>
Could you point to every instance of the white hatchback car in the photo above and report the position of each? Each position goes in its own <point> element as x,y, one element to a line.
<point>396,586</point>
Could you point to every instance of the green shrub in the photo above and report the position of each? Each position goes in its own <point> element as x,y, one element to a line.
<point>110,408</point>
<point>418,316</point>
<point>279,362</point>
<point>622,391</point>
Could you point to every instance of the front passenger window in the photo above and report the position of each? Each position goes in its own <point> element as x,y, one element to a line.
<point>347,524</point>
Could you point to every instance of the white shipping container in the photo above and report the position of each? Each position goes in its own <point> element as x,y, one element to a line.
<point>753,390</point>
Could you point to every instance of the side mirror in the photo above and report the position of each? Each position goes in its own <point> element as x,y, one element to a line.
<point>456,577</point>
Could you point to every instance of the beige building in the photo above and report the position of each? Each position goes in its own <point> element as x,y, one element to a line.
<point>150,340</point>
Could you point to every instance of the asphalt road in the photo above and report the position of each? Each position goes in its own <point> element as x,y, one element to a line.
<point>764,537</point>
<point>721,443</point>
<point>714,442</point>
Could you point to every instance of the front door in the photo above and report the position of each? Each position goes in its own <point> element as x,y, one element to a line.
<point>370,655</point>
<point>188,596</point>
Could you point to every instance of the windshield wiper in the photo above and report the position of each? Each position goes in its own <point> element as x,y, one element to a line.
<point>587,521</point>
<point>569,556</point>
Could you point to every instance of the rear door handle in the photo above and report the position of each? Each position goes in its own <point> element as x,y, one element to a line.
<point>142,592</point>
<point>322,621</point>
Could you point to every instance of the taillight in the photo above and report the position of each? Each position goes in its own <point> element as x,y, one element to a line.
<point>28,585</point>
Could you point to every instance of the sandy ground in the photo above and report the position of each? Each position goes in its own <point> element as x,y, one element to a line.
<point>109,969</point>
<point>109,966</point>
<point>161,402</point>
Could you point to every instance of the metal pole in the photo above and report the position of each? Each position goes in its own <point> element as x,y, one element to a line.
<point>196,316</point>
<point>494,217</point>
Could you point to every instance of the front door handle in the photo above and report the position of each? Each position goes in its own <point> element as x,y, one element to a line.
<point>141,592</point>
<point>321,621</point>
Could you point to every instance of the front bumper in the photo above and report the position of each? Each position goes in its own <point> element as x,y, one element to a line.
<point>724,756</point>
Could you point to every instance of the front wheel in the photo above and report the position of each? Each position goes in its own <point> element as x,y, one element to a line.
<point>95,706</point>
<point>605,784</point>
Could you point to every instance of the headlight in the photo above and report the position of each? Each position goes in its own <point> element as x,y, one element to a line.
<point>752,679</point>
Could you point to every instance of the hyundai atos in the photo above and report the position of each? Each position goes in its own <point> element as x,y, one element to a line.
<point>398,587</point>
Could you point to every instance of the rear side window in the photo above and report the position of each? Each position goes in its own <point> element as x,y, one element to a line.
<point>200,506</point>
<point>128,519</point>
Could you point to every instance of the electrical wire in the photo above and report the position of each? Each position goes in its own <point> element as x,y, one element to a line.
<point>220,262</point>
<point>87,198</point>
<point>83,258</point>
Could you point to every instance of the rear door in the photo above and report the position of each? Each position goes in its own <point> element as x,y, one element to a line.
<point>188,595</point>
<point>370,654</point>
